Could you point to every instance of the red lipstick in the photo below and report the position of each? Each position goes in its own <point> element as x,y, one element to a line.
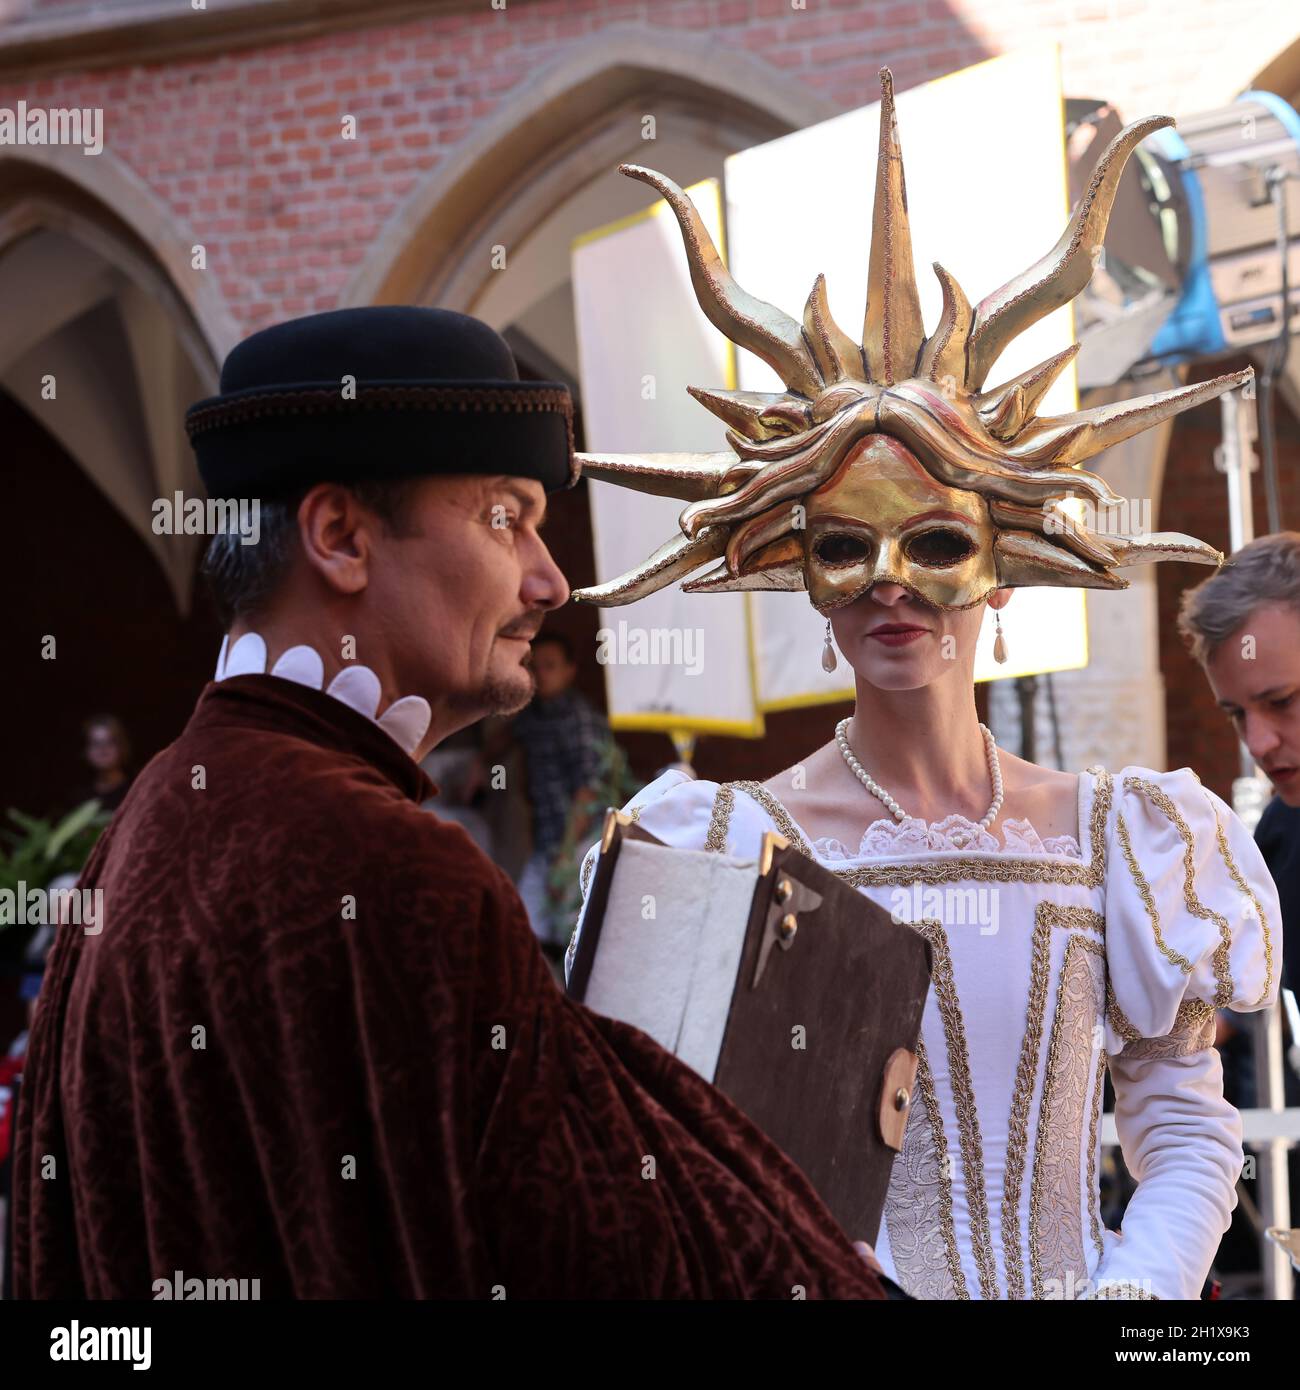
<point>897,634</point>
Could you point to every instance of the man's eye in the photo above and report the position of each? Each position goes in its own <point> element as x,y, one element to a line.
<point>1283,702</point>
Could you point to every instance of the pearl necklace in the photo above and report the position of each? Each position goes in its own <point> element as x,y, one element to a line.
<point>876,790</point>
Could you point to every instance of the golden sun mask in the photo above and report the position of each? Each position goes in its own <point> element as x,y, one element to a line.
<point>869,437</point>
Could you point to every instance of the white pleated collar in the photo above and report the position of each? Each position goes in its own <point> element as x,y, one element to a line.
<point>405,721</point>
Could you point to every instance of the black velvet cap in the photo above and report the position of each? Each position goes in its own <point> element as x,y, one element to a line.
<point>384,392</point>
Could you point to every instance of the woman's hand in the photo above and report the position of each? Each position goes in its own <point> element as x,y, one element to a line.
<point>869,1255</point>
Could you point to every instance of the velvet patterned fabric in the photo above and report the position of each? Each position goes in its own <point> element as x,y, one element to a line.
<point>238,1078</point>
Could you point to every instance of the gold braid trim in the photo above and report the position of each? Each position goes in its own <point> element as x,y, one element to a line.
<point>925,1084</point>
<point>1245,887</point>
<point>1047,1111</point>
<point>996,868</point>
<point>1222,973</point>
<point>778,813</point>
<point>1046,916</point>
<point>1094,1193</point>
<point>1118,1019</point>
<point>1193,1031</point>
<point>1148,899</point>
<point>586,873</point>
<point>633,814</point>
<point>1077,918</point>
<point>715,841</point>
<point>963,1094</point>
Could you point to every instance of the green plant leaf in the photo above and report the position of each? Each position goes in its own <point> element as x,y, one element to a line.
<point>71,825</point>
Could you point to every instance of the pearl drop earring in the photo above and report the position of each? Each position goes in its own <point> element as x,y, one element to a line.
<point>999,642</point>
<point>828,651</point>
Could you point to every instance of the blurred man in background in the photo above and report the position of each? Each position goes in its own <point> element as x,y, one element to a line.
<point>565,741</point>
<point>1243,626</point>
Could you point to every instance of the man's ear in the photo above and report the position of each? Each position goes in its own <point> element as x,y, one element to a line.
<point>337,534</point>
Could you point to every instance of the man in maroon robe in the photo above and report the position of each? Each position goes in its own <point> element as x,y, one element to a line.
<point>315,1042</point>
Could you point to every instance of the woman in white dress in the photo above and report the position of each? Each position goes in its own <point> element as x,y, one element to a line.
<point>1077,922</point>
<point>1094,921</point>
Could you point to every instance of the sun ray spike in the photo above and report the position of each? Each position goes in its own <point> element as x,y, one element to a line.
<point>838,357</point>
<point>758,415</point>
<point>677,557</point>
<point>1006,408</point>
<point>768,332</point>
<point>1065,270</point>
<point>944,355</point>
<point>783,575</point>
<point>893,331</point>
<point>1026,559</point>
<point>1064,441</point>
<point>689,477</point>
<point>1165,545</point>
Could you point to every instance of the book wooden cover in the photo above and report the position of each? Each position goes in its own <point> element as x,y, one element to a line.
<point>818,1034</point>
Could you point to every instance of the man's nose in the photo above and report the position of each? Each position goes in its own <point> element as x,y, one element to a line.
<point>544,583</point>
<point>1259,736</point>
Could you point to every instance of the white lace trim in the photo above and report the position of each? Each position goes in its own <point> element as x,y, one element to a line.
<point>884,838</point>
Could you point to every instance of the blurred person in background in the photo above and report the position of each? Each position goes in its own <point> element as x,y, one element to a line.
<point>1243,626</point>
<point>456,768</point>
<point>566,745</point>
<point>108,754</point>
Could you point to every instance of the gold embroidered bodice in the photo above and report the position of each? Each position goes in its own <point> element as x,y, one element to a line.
<point>1047,968</point>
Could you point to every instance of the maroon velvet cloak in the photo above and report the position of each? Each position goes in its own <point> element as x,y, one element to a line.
<point>497,1133</point>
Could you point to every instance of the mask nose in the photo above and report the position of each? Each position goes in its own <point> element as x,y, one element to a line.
<point>888,563</point>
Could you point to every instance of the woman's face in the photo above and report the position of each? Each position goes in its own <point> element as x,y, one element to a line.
<point>935,641</point>
<point>102,751</point>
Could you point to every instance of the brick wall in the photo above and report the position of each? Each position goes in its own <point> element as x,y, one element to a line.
<point>246,148</point>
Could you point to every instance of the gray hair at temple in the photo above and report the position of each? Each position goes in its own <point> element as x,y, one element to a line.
<point>1265,571</point>
<point>242,578</point>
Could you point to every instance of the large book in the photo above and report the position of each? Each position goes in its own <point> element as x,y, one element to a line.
<point>796,995</point>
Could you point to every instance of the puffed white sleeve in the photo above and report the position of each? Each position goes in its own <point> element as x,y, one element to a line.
<point>1192,925</point>
<point>676,808</point>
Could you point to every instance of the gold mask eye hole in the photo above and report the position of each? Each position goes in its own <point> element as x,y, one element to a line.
<point>841,549</point>
<point>939,547</point>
